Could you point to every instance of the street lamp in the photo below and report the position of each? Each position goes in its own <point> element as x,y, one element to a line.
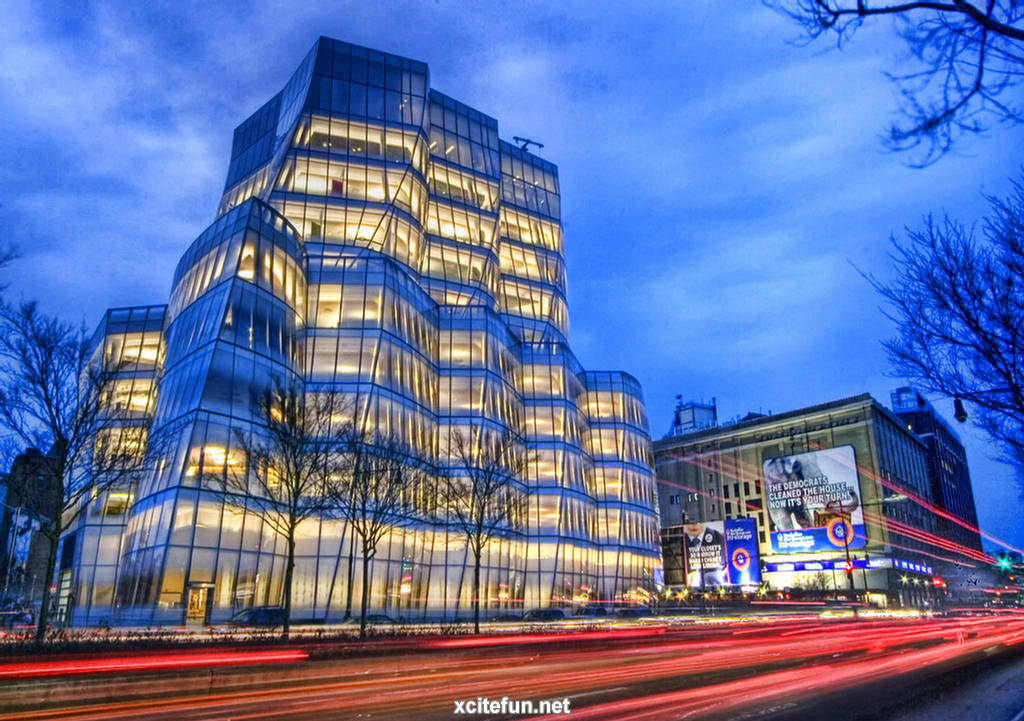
<point>958,410</point>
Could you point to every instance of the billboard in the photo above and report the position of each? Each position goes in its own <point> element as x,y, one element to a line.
<point>814,501</point>
<point>722,553</point>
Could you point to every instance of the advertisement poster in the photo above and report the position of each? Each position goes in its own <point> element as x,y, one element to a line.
<point>814,501</point>
<point>724,553</point>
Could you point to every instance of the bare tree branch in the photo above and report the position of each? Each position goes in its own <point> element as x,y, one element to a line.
<point>967,56</point>
<point>289,461</point>
<point>381,488</point>
<point>958,300</point>
<point>482,497</point>
<point>54,397</point>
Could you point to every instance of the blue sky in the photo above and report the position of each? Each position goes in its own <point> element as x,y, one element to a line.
<point>721,186</point>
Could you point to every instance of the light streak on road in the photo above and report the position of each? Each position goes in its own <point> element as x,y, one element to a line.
<point>528,638</point>
<point>653,673</point>
<point>148,662</point>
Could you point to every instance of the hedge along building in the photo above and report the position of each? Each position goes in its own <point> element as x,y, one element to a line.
<point>375,238</point>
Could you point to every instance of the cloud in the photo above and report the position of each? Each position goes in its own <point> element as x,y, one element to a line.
<point>716,180</point>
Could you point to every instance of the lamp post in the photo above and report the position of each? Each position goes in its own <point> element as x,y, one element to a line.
<point>838,509</point>
<point>10,551</point>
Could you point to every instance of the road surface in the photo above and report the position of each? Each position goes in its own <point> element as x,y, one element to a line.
<point>785,669</point>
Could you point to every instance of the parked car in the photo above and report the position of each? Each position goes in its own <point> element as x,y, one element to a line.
<point>635,612</point>
<point>506,618</point>
<point>378,618</point>
<point>16,613</point>
<point>258,616</point>
<point>544,614</point>
<point>593,611</point>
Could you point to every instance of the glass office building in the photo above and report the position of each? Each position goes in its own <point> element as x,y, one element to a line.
<point>375,238</point>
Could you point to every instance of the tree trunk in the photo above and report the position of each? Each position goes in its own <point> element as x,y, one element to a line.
<point>351,572</point>
<point>289,570</point>
<point>366,592</point>
<point>44,608</point>
<point>476,591</point>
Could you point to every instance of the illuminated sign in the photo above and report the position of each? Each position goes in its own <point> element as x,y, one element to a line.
<point>722,553</point>
<point>840,564</point>
<point>814,501</point>
<point>908,566</point>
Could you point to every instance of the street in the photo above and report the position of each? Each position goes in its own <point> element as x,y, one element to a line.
<point>787,669</point>
<point>989,690</point>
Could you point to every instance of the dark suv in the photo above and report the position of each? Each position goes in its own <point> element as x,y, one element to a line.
<point>265,616</point>
<point>544,614</point>
<point>635,612</point>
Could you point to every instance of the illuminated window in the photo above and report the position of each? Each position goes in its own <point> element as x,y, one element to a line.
<point>247,264</point>
<point>116,503</point>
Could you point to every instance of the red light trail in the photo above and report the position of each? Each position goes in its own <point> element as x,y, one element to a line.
<point>149,662</point>
<point>658,673</point>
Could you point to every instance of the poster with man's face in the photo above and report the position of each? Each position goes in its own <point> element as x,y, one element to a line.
<point>722,553</point>
<point>814,501</point>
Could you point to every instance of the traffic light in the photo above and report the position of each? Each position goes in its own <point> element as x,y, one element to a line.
<point>849,566</point>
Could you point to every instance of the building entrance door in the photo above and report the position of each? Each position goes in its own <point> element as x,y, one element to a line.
<point>63,600</point>
<point>199,601</point>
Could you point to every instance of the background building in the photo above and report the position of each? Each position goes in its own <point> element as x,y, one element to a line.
<point>692,416</point>
<point>811,478</point>
<point>29,497</point>
<point>375,238</point>
<point>951,490</point>
<point>949,477</point>
<point>129,346</point>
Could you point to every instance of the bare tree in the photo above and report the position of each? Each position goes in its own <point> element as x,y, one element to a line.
<point>482,498</point>
<point>377,492</point>
<point>8,254</point>
<point>965,57</point>
<point>291,458</point>
<point>958,300</point>
<point>812,581</point>
<point>54,398</point>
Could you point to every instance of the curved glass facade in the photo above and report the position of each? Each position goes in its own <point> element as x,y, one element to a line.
<point>378,239</point>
